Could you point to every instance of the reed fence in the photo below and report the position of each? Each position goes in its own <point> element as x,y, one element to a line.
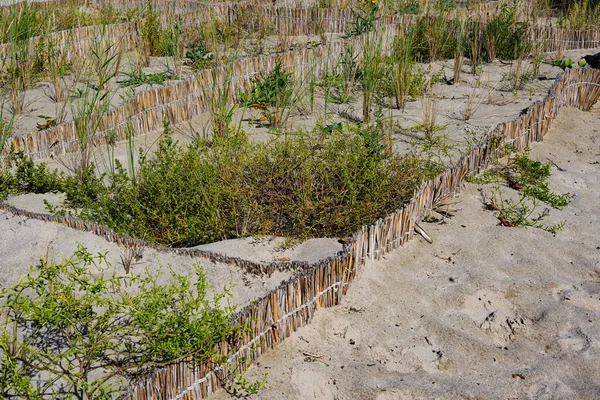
<point>292,305</point>
<point>186,99</point>
<point>123,4</point>
<point>558,39</point>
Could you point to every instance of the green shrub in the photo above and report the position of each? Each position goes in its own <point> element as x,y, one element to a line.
<point>23,176</point>
<point>315,184</point>
<point>306,187</point>
<point>75,326</point>
<point>322,183</point>
<point>506,38</point>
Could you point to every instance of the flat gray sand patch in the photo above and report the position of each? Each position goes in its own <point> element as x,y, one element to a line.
<point>23,242</point>
<point>267,249</point>
<point>485,312</point>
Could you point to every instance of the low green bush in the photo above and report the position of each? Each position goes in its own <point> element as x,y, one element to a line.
<point>303,184</point>
<point>505,37</point>
<point>74,330</point>
<point>21,175</point>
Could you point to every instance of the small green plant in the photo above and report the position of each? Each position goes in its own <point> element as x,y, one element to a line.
<point>365,19</point>
<point>343,82</point>
<point>139,77</point>
<point>520,213</point>
<point>505,37</point>
<point>271,94</point>
<point>531,179</point>
<point>286,244</point>
<point>49,123</point>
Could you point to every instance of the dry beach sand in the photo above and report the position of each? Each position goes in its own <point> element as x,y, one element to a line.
<point>485,312</point>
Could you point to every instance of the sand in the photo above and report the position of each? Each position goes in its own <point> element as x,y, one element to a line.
<point>484,312</point>
<point>24,241</point>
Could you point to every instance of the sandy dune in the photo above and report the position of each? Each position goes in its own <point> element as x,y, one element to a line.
<point>486,312</point>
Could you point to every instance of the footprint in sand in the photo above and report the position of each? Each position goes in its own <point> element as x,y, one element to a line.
<point>426,356</point>
<point>494,314</point>
<point>550,390</point>
<point>586,295</point>
<point>574,341</point>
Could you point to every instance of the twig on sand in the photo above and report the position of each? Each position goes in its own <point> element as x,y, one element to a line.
<point>313,357</point>
<point>556,165</point>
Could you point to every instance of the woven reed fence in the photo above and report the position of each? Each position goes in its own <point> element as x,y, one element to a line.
<point>292,305</point>
<point>73,44</point>
<point>125,4</point>
<point>558,39</point>
<point>180,101</point>
<point>186,99</point>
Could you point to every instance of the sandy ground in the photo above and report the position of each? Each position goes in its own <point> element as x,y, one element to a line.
<point>486,312</point>
<point>24,241</point>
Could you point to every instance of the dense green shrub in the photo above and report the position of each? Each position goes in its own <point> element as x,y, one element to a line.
<point>73,330</point>
<point>308,184</point>
<point>310,187</point>
<point>505,37</point>
<point>21,175</point>
<point>321,183</point>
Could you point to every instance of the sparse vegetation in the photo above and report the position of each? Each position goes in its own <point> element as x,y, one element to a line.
<point>530,178</point>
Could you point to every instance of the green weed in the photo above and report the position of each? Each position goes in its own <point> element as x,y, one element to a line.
<point>91,315</point>
<point>139,77</point>
<point>531,179</point>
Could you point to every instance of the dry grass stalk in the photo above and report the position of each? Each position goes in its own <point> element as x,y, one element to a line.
<point>429,111</point>
<point>131,252</point>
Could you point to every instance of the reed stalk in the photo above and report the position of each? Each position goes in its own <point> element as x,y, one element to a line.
<point>94,103</point>
<point>7,124</point>
<point>372,71</point>
<point>403,64</point>
<point>459,50</point>
<point>220,101</point>
<point>475,40</point>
